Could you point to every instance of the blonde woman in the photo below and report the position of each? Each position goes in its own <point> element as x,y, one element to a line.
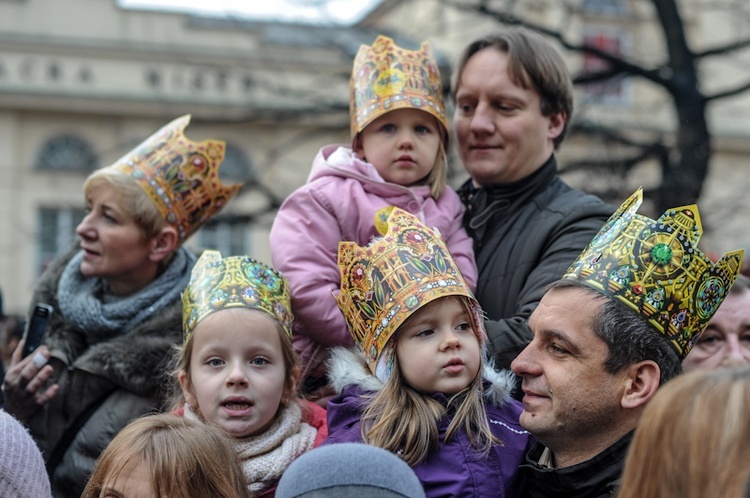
<point>692,439</point>
<point>169,457</point>
<point>116,300</point>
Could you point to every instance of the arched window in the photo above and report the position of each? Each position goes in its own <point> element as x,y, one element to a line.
<point>236,167</point>
<point>66,153</point>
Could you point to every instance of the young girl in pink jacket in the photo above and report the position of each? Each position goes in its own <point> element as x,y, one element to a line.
<point>397,159</point>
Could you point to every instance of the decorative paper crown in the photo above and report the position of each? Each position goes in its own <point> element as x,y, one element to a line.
<point>234,282</point>
<point>383,283</point>
<point>180,176</point>
<point>656,269</point>
<point>385,77</point>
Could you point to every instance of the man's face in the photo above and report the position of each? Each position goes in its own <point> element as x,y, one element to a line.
<point>569,401</point>
<point>726,340</point>
<point>501,134</point>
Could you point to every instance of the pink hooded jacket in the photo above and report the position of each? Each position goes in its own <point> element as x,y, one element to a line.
<point>339,202</point>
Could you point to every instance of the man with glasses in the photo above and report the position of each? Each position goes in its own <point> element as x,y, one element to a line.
<point>726,341</point>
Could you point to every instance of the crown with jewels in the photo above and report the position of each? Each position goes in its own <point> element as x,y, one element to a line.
<point>218,283</point>
<point>383,283</point>
<point>386,77</point>
<point>655,268</point>
<point>181,177</point>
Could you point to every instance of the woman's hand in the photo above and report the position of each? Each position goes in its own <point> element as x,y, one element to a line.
<point>24,383</point>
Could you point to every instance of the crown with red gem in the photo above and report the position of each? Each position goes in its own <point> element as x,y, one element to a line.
<point>383,283</point>
<point>181,177</point>
<point>655,268</point>
<point>218,283</point>
<point>386,77</point>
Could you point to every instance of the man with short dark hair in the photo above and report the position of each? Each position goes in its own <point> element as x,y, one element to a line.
<point>605,337</point>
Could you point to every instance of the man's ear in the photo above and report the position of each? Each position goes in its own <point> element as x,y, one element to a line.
<point>556,125</point>
<point>164,243</point>
<point>641,383</point>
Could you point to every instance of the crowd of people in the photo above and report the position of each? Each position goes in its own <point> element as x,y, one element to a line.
<point>513,338</point>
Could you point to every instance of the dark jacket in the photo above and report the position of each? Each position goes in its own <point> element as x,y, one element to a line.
<point>526,234</point>
<point>125,374</point>
<point>454,468</point>
<point>595,478</point>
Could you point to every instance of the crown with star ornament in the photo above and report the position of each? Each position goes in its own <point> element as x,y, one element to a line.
<point>386,77</point>
<point>180,176</point>
<point>218,283</point>
<point>655,268</point>
<point>383,283</point>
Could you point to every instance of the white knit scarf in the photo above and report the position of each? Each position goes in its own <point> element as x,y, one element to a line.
<point>266,456</point>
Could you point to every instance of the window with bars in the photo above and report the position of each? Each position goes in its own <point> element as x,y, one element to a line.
<point>230,238</point>
<point>612,91</point>
<point>56,233</point>
<point>66,153</point>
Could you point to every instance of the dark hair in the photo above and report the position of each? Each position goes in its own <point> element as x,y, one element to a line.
<point>532,64</point>
<point>629,337</point>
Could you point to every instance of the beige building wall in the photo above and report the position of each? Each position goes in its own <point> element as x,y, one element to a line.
<point>278,93</point>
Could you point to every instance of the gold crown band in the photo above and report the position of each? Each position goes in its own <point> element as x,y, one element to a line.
<point>383,283</point>
<point>655,268</point>
<point>386,77</point>
<point>218,283</point>
<point>181,177</point>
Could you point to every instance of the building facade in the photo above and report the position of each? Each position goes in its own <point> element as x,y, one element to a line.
<point>75,95</point>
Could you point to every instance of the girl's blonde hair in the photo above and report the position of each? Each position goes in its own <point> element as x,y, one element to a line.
<point>438,177</point>
<point>141,207</point>
<point>405,421</point>
<point>691,440</point>
<point>181,363</point>
<point>185,459</point>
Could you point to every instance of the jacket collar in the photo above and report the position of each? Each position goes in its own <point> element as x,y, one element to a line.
<point>485,202</point>
<point>598,476</point>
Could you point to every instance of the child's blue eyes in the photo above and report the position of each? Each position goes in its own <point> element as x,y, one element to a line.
<point>217,362</point>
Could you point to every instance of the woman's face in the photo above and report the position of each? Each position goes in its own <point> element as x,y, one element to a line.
<point>114,245</point>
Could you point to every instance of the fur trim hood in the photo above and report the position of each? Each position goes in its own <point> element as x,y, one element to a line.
<point>136,361</point>
<point>347,366</point>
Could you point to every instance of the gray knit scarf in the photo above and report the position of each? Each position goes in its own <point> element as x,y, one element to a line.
<point>89,305</point>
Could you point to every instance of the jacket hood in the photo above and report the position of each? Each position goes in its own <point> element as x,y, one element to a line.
<point>340,161</point>
<point>346,366</point>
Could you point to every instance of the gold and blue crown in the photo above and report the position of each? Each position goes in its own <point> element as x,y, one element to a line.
<point>386,77</point>
<point>181,177</point>
<point>383,283</point>
<point>218,283</point>
<point>655,268</point>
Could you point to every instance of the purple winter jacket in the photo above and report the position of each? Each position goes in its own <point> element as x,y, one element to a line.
<point>339,202</point>
<point>455,469</point>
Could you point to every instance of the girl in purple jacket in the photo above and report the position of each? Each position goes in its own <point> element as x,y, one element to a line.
<point>417,385</point>
<point>396,159</point>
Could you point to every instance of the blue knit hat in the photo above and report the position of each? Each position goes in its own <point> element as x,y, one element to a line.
<point>349,469</point>
<point>22,472</point>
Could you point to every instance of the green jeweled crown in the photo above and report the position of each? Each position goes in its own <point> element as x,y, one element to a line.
<point>655,268</point>
<point>218,283</point>
<point>383,283</point>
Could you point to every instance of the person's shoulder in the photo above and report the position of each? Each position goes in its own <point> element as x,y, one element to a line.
<point>572,202</point>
